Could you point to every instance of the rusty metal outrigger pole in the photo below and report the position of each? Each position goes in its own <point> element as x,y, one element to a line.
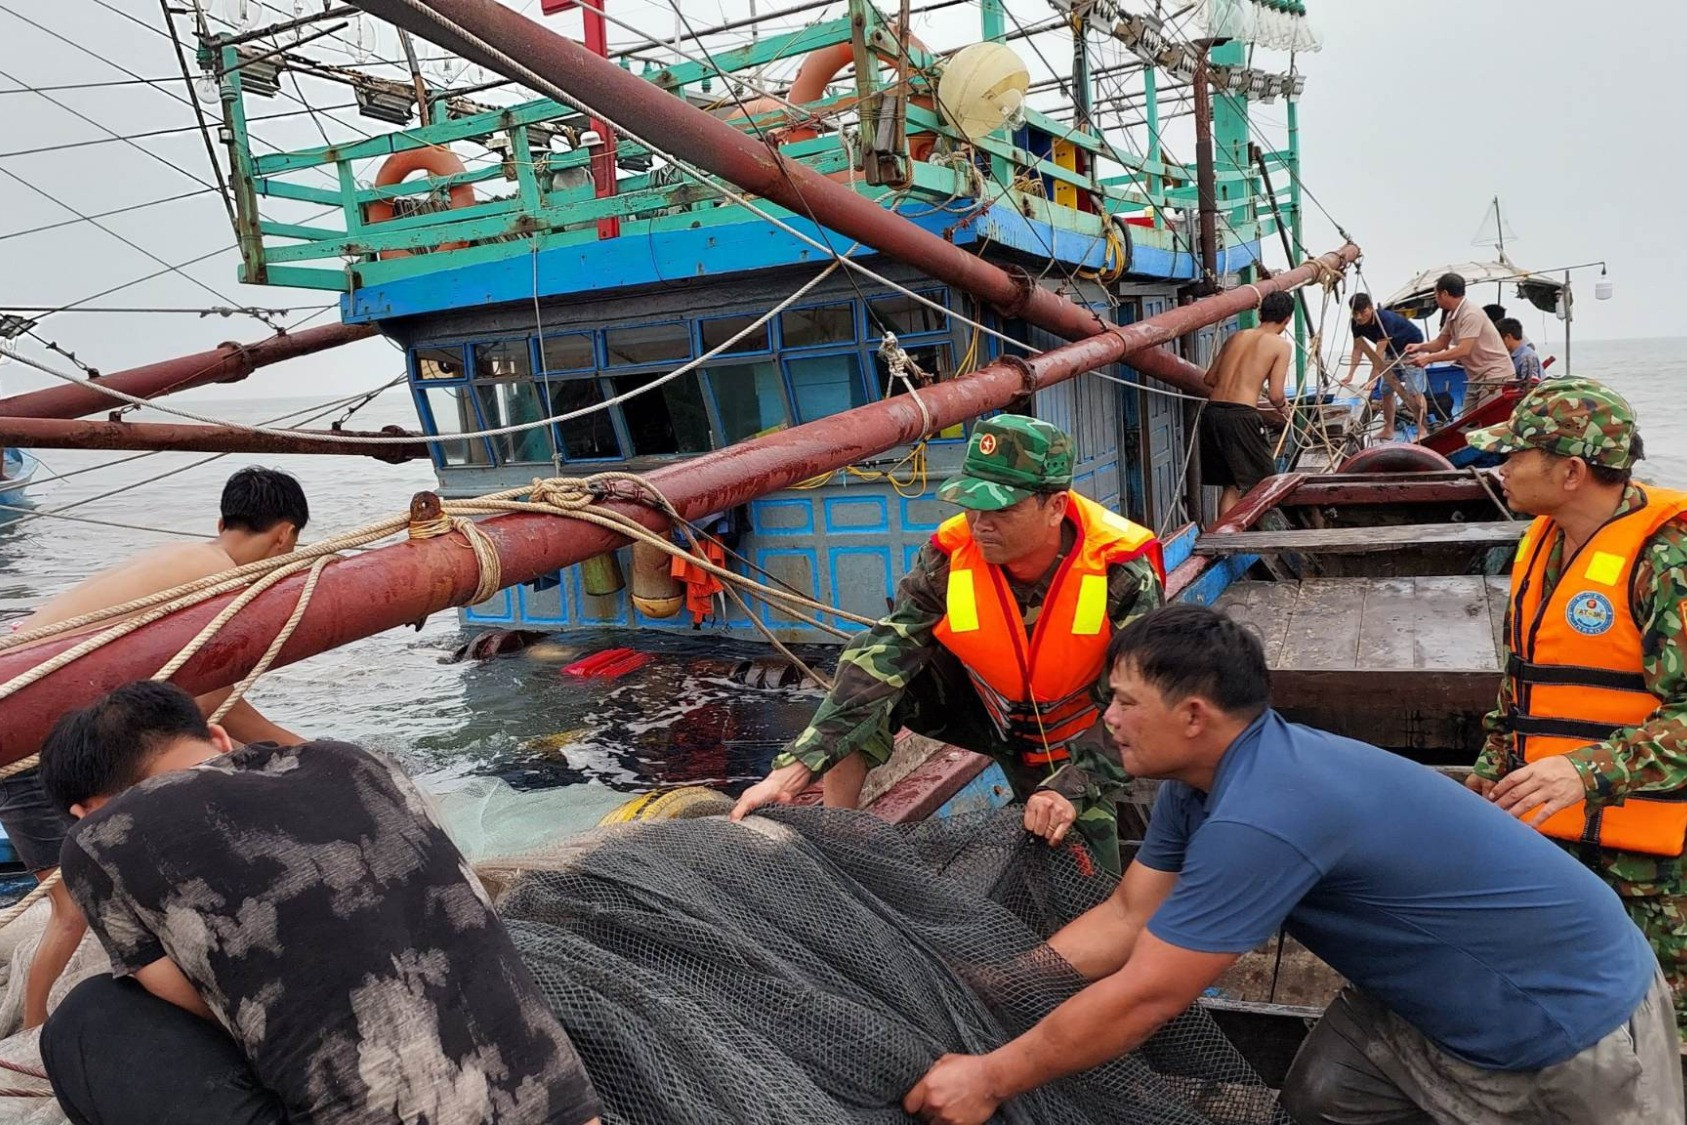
<point>404,583</point>
<point>56,433</point>
<point>226,363</point>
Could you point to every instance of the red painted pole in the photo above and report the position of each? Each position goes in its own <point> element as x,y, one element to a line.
<point>398,585</point>
<point>226,363</point>
<point>55,433</point>
<point>603,160</point>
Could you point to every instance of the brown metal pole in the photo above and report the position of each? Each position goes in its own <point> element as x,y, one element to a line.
<point>1206,187</point>
<point>398,585</point>
<point>226,363</point>
<point>55,433</point>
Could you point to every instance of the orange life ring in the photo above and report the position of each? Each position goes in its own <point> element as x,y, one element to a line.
<point>436,162</point>
<point>816,72</point>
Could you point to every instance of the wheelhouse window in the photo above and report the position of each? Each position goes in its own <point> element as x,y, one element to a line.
<point>749,399</point>
<point>907,317</point>
<point>433,364</point>
<point>570,351</point>
<point>590,437</point>
<point>817,326</point>
<point>512,404</point>
<point>719,330</point>
<point>826,384</point>
<point>669,419</point>
<point>451,411</point>
<point>647,343</point>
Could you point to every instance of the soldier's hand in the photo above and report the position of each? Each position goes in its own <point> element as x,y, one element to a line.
<point>1049,815</point>
<point>1540,790</point>
<point>1479,785</point>
<point>778,788</point>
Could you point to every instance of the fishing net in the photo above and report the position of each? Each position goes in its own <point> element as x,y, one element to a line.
<point>809,966</point>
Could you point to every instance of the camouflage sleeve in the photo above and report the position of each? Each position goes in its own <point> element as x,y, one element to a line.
<point>1094,777</point>
<point>873,670</point>
<point>1496,746</point>
<point>1651,757</point>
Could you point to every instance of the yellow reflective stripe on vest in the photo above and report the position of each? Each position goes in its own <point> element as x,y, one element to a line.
<point>1092,606</point>
<point>1605,568</point>
<point>962,602</point>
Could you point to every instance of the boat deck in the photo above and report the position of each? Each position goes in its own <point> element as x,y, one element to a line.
<point>1445,623</point>
<point>1407,663</point>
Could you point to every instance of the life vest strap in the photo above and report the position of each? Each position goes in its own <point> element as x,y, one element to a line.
<point>1542,727</point>
<point>1044,757</point>
<point>1572,675</point>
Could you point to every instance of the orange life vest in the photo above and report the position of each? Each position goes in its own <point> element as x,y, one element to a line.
<point>1037,688</point>
<point>1575,657</point>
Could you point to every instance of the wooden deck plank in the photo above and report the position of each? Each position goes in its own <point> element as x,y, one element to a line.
<point>1454,630</point>
<point>1389,622</point>
<point>1323,629</point>
<point>1361,540</point>
<point>1266,607</point>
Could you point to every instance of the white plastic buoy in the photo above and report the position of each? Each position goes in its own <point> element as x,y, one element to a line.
<point>983,88</point>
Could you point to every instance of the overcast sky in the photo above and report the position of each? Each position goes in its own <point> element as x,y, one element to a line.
<point>1414,117</point>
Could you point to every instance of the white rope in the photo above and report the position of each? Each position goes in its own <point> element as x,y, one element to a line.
<point>900,363</point>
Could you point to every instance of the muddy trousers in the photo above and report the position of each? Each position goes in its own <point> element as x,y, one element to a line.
<point>118,1055</point>
<point>941,703</point>
<point>1364,1065</point>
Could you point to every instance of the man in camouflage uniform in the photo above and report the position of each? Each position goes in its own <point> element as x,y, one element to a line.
<point>1015,489</point>
<point>1569,448</point>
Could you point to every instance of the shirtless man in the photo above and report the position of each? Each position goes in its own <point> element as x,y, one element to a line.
<point>263,511</point>
<point>1235,451</point>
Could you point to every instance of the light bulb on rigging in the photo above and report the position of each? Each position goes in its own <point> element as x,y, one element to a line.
<point>243,14</point>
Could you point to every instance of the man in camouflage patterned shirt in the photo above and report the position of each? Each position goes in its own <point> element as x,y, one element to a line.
<point>1570,447</point>
<point>293,939</point>
<point>1064,571</point>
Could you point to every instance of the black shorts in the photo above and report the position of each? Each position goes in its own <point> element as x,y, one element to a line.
<point>34,826</point>
<point>1235,450</point>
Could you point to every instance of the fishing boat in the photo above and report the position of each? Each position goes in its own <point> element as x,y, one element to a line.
<point>789,346</point>
<point>535,266</point>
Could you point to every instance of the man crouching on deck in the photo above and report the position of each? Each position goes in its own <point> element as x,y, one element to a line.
<point>292,937</point>
<point>1493,978</point>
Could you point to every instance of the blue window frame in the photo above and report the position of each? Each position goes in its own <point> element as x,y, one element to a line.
<point>818,326</point>
<point>635,345</point>
<point>566,351</point>
<point>827,383</point>
<point>907,317</point>
<point>749,398</point>
<point>591,437</point>
<point>714,331</point>
<point>509,395</point>
<point>445,404</point>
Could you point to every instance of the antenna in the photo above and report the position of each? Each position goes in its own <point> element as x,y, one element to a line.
<point>1494,231</point>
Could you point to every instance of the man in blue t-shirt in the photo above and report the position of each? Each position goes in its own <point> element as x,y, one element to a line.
<point>1383,334</point>
<point>1493,978</point>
